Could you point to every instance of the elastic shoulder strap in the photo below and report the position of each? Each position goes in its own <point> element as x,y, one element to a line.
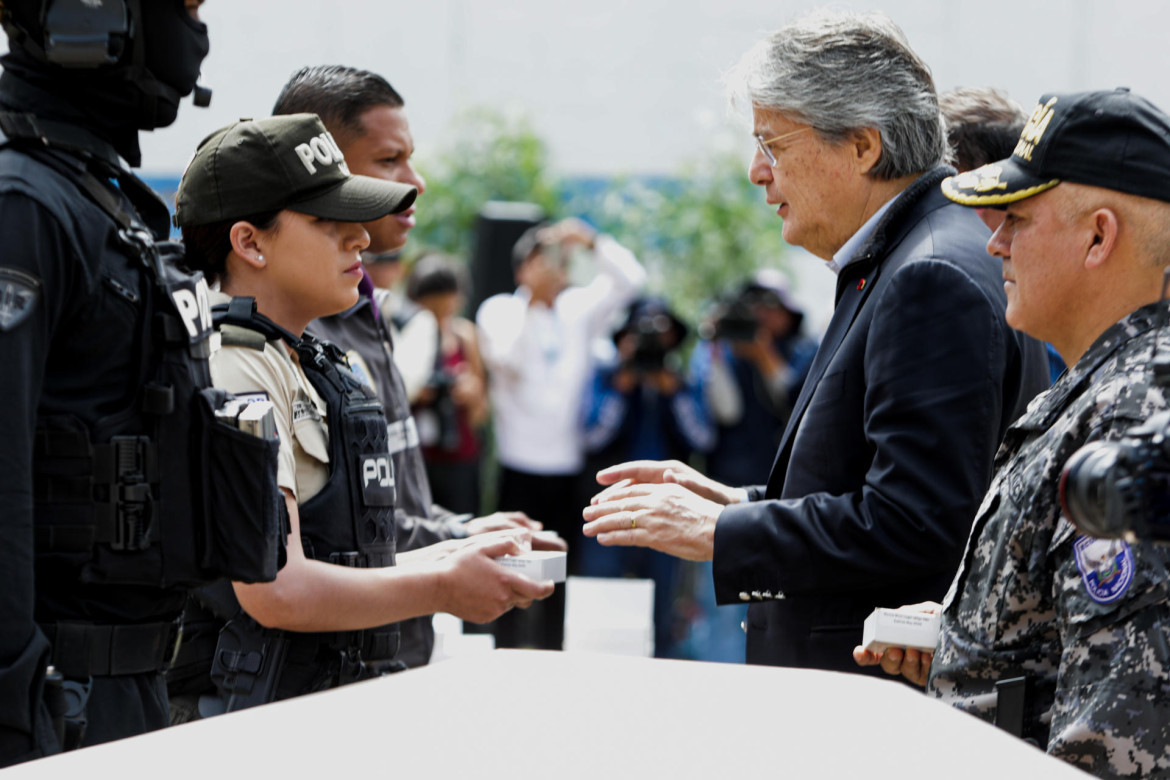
<point>237,336</point>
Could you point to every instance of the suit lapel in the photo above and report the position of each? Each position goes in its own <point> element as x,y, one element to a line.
<point>853,288</point>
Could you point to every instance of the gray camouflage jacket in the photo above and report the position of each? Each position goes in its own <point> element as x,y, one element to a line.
<point>1087,619</point>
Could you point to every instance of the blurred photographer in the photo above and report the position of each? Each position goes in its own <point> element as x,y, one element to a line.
<point>642,407</point>
<point>536,345</point>
<point>453,404</point>
<point>751,369</point>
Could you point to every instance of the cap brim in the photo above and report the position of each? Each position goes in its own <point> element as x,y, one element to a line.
<point>358,199</point>
<point>995,184</point>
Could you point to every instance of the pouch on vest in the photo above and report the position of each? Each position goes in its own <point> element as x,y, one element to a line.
<point>241,500</point>
<point>155,494</point>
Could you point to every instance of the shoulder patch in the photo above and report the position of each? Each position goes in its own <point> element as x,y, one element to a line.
<point>359,369</point>
<point>1106,567</point>
<point>18,296</point>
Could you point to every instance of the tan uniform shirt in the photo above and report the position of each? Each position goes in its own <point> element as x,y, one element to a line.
<point>272,373</point>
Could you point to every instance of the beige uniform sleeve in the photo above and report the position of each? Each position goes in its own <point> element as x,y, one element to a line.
<point>302,461</point>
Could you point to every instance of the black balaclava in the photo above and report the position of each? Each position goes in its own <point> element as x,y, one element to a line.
<point>140,92</point>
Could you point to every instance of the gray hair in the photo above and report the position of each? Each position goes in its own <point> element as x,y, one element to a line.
<point>983,125</point>
<point>840,72</point>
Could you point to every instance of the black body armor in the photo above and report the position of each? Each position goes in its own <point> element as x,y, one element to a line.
<point>151,495</point>
<point>349,522</point>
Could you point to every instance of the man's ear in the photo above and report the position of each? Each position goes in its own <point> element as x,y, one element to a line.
<point>247,244</point>
<point>1105,227</point>
<point>866,145</point>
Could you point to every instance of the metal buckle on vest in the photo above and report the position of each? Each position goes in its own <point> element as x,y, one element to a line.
<point>133,503</point>
<point>354,560</point>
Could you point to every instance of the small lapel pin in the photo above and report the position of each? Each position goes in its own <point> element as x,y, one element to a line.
<point>861,284</point>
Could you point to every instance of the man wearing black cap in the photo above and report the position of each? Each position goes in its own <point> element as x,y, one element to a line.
<point>81,471</point>
<point>1084,243</point>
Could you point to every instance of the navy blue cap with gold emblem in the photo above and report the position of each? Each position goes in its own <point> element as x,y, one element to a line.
<point>1111,139</point>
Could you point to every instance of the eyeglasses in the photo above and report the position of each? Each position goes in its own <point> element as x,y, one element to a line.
<point>764,145</point>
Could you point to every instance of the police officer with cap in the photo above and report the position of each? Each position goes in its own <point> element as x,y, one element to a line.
<point>270,210</point>
<point>1053,634</point>
<point>83,586</point>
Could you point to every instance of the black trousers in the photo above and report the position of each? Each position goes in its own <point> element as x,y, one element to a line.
<point>556,501</point>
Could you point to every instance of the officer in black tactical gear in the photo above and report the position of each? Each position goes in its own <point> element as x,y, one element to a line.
<point>104,345</point>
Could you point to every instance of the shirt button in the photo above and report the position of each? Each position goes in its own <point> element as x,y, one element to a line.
<point>743,625</point>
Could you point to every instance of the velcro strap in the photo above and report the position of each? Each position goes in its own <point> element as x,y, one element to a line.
<point>83,650</point>
<point>57,443</point>
<point>236,336</point>
<point>57,489</point>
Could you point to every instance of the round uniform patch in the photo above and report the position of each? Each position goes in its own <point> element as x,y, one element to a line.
<point>18,294</point>
<point>1106,567</point>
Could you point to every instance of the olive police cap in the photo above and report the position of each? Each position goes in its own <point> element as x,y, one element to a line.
<point>282,162</point>
<point>1111,139</point>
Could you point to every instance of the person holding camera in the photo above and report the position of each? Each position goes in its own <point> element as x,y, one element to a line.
<point>751,368</point>
<point>453,404</point>
<point>270,211</point>
<point>643,407</point>
<point>1080,624</point>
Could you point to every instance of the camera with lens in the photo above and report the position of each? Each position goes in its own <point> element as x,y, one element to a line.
<point>651,342</point>
<point>734,318</point>
<point>1121,489</point>
<point>442,383</point>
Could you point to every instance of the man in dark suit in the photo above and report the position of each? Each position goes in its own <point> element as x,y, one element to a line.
<point>889,448</point>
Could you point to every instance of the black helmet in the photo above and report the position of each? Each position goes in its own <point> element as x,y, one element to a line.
<point>154,46</point>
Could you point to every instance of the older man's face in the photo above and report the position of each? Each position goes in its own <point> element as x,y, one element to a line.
<point>819,191</point>
<point>1043,255</point>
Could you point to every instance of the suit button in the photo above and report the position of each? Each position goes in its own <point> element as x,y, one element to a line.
<point>756,595</point>
<point>743,625</point>
<point>767,594</point>
<point>743,596</point>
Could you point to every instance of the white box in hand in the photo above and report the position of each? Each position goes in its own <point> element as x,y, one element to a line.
<point>893,628</point>
<point>538,564</point>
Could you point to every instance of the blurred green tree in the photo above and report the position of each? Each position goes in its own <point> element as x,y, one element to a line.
<point>696,232</point>
<point>488,156</point>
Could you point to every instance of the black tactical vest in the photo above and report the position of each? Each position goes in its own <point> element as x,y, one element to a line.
<point>150,495</point>
<point>349,522</point>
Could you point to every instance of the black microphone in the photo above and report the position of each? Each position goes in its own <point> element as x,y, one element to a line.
<point>202,96</point>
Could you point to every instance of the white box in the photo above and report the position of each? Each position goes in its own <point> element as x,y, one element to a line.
<point>538,564</point>
<point>893,628</point>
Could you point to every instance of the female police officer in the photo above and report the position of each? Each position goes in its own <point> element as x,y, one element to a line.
<point>270,211</point>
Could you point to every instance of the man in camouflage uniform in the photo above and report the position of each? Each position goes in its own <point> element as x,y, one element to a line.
<point>1084,243</point>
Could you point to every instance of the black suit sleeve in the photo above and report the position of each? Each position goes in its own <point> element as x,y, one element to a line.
<point>33,247</point>
<point>933,365</point>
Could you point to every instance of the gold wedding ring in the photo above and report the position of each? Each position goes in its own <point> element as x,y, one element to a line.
<point>633,523</point>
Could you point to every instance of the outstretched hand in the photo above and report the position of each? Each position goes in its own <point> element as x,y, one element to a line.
<point>665,517</point>
<point>503,521</point>
<point>666,472</point>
